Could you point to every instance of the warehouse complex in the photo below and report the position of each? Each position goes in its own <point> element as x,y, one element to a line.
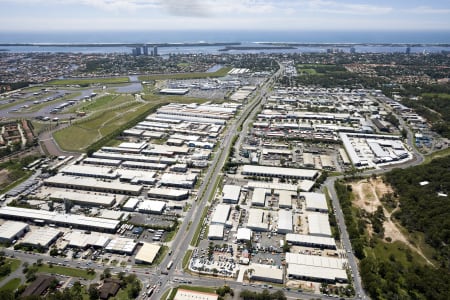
<point>104,202</point>
<point>267,221</point>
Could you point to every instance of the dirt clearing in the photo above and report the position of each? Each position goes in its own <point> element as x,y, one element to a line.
<point>367,195</point>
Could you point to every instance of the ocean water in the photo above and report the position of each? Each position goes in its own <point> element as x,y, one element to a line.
<point>373,38</point>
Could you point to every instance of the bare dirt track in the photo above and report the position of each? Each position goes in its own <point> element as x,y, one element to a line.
<point>367,194</point>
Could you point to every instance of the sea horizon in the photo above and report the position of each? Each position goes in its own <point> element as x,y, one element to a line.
<point>244,36</point>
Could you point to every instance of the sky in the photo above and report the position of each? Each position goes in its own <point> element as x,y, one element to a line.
<point>103,15</point>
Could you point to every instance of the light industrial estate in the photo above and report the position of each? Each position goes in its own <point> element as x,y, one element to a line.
<point>221,190</point>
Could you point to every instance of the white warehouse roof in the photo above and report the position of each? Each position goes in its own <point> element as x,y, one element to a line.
<point>89,171</point>
<point>314,272</point>
<point>221,214</point>
<point>315,260</point>
<point>259,197</point>
<point>121,245</point>
<point>256,220</point>
<point>284,198</point>
<point>271,185</point>
<point>279,172</point>
<point>84,198</point>
<point>244,234</point>
<point>231,193</point>
<point>168,193</point>
<point>60,219</point>
<point>131,204</point>
<point>311,240</point>
<point>66,181</point>
<point>81,240</point>
<point>43,236</point>
<point>215,232</point>
<point>152,206</point>
<point>267,273</point>
<point>319,225</point>
<point>315,201</point>
<point>285,222</point>
<point>147,253</point>
<point>178,179</point>
<point>11,229</point>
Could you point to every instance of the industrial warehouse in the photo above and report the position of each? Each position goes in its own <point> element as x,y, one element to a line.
<point>267,221</point>
<point>92,202</point>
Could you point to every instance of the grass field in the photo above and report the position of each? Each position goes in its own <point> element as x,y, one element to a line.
<point>186,259</point>
<point>220,73</point>
<point>66,271</point>
<point>105,102</point>
<point>122,294</point>
<point>198,288</point>
<point>195,238</point>
<point>442,96</point>
<point>383,251</point>
<point>105,118</point>
<point>437,154</point>
<point>83,81</point>
<point>96,127</point>
<point>167,294</point>
<point>15,264</point>
<point>307,71</point>
<point>11,285</point>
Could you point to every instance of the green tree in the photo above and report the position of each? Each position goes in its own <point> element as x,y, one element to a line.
<point>93,291</point>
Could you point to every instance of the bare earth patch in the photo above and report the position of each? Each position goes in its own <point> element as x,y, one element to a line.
<point>3,176</point>
<point>367,197</point>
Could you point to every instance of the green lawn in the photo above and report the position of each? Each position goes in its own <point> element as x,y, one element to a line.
<point>104,102</point>
<point>437,95</point>
<point>383,250</point>
<point>183,64</point>
<point>95,127</point>
<point>112,80</point>
<point>307,71</point>
<point>186,259</point>
<point>195,238</point>
<point>15,264</point>
<point>166,296</point>
<point>198,288</point>
<point>219,73</point>
<point>65,271</point>
<point>437,154</point>
<point>11,285</point>
<point>123,294</point>
<point>101,123</point>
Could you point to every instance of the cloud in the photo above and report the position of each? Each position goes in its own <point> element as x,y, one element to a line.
<point>202,8</point>
<point>187,8</point>
<point>333,7</point>
<point>429,10</point>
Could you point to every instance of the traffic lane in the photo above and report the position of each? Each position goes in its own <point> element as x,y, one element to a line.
<point>329,183</point>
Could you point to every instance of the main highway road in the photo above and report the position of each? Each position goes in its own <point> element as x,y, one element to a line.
<point>180,244</point>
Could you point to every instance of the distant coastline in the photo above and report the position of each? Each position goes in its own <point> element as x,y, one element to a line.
<point>355,44</point>
<point>220,42</point>
<point>248,48</point>
<point>118,44</point>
